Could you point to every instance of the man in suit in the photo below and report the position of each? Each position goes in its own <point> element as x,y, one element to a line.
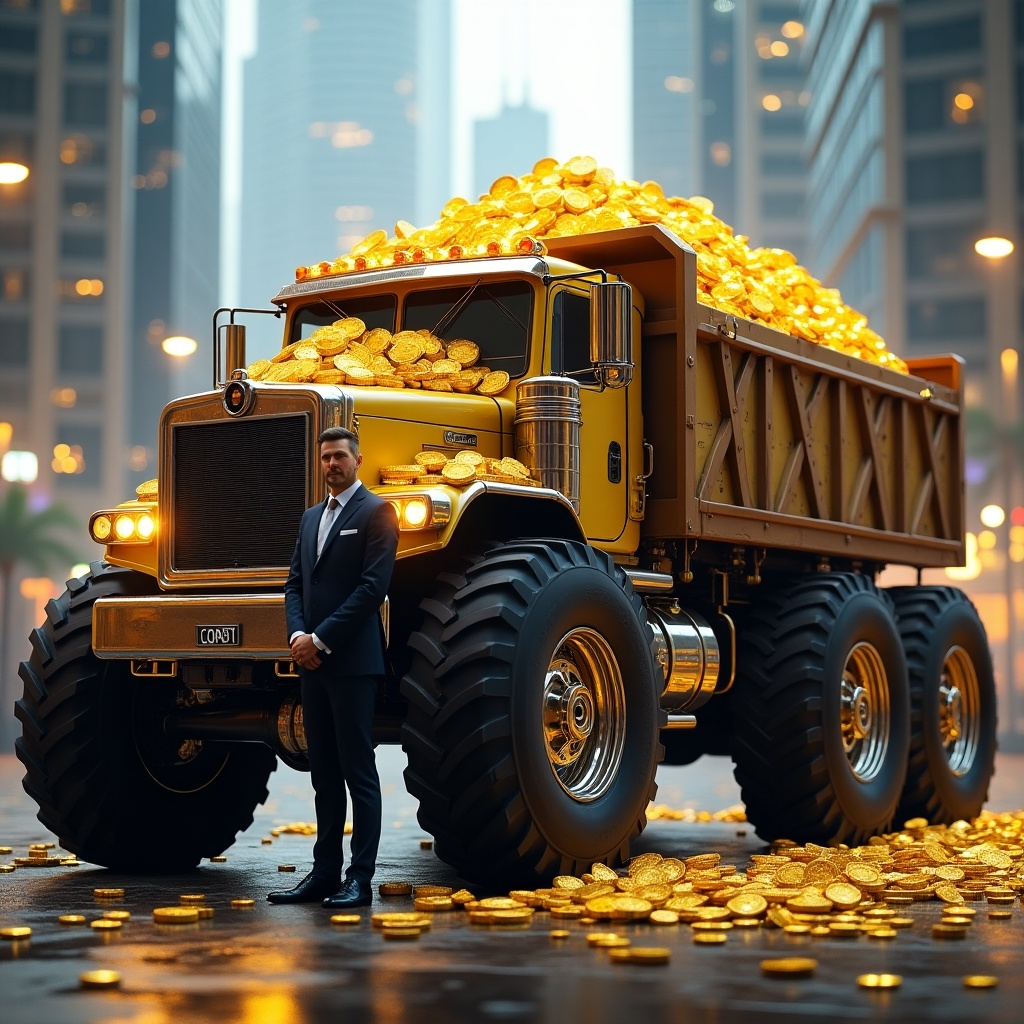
<point>340,571</point>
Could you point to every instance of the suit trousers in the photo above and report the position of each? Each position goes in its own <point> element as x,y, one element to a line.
<point>337,713</point>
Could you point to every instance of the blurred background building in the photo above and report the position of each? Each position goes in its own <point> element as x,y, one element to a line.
<point>346,129</point>
<point>505,141</point>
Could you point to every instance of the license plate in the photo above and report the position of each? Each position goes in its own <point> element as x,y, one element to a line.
<point>219,636</point>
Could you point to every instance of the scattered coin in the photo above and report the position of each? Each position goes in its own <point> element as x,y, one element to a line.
<point>117,915</point>
<point>218,860</point>
<point>709,938</point>
<point>192,897</point>
<point>285,867</point>
<point>71,919</point>
<point>789,967</point>
<point>401,933</point>
<point>1000,915</point>
<point>426,844</point>
<point>395,888</point>
<point>980,981</point>
<point>20,932</point>
<point>345,919</point>
<point>243,904</point>
<point>882,933</point>
<point>205,913</point>
<point>558,933</point>
<point>99,979</point>
<point>649,956</point>
<point>175,915</point>
<point>108,894</point>
<point>105,924</point>
<point>879,980</point>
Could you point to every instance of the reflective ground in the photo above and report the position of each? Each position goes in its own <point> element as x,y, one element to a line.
<point>271,964</point>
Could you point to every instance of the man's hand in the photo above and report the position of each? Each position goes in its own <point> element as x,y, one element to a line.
<point>305,653</point>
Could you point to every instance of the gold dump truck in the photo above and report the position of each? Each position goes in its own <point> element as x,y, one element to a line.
<point>634,527</point>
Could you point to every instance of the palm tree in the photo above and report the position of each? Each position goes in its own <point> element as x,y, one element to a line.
<point>26,538</point>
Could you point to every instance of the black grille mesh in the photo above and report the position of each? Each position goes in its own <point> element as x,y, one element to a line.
<point>239,492</point>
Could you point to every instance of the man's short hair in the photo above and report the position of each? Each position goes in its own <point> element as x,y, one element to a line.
<point>340,434</point>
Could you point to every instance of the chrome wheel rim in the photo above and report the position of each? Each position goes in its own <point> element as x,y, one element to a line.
<point>959,710</point>
<point>584,714</point>
<point>864,711</point>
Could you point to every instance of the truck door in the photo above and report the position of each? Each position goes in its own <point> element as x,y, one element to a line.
<point>604,441</point>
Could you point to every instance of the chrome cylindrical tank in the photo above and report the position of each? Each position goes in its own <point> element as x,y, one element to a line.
<point>547,428</point>
<point>688,653</point>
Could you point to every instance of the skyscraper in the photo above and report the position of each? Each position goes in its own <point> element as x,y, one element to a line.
<point>508,143</point>
<point>718,105</point>
<point>346,130</point>
<point>65,114</point>
<point>176,182</point>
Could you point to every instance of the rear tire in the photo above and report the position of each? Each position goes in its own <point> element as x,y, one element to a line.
<point>109,784</point>
<point>821,712</point>
<point>952,704</point>
<point>532,730</point>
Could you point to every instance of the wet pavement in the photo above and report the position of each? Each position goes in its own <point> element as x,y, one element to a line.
<point>290,965</point>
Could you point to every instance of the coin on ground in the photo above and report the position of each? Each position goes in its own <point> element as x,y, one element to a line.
<point>205,913</point>
<point>980,981</point>
<point>99,979</point>
<point>345,919</point>
<point>192,897</point>
<point>108,894</point>
<point>285,867</point>
<point>558,933</point>
<point>401,933</point>
<point>218,860</point>
<point>243,904</point>
<point>650,956</point>
<point>709,938</point>
<point>395,888</point>
<point>71,919</point>
<point>879,980</point>
<point>105,924</point>
<point>22,932</point>
<point>175,915</point>
<point>789,967</point>
<point>117,915</point>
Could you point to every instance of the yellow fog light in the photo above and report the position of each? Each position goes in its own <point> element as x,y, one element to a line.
<point>145,527</point>
<point>415,512</point>
<point>101,528</point>
<point>124,527</point>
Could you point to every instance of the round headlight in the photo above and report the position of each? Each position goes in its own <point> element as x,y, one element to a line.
<point>416,512</point>
<point>145,527</point>
<point>101,527</point>
<point>124,527</point>
<point>238,398</point>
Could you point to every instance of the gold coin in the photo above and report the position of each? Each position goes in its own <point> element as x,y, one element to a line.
<point>434,890</point>
<point>458,473</point>
<point>71,919</point>
<point>494,383</point>
<point>105,924</point>
<point>243,903</point>
<point>394,918</point>
<point>879,980</point>
<point>99,979</point>
<point>1000,915</point>
<point>117,915</point>
<point>6,869</point>
<point>400,934</point>
<point>108,894</point>
<point>749,905</point>
<point>948,931</point>
<point>285,867</point>
<point>882,933</point>
<point>843,930</point>
<point>191,897</point>
<point>395,888</point>
<point>433,904</point>
<point>21,932</point>
<point>176,915</point>
<point>345,919</point>
<point>593,938</point>
<point>219,860</point>
<point>663,917</point>
<point>980,981</point>
<point>649,956</point>
<point>610,942</point>
<point>558,933</point>
<point>709,938</point>
<point>205,913</point>
<point>900,922</point>
<point>789,967</point>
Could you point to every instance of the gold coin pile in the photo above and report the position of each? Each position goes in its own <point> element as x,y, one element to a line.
<point>579,197</point>
<point>435,467</point>
<point>345,352</point>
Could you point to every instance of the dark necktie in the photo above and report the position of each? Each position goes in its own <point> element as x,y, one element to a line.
<point>326,520</point>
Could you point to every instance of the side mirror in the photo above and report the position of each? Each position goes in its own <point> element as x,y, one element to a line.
<point>611,332</point>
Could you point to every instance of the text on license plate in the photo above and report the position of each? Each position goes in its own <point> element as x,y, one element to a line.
<point>219,636</point>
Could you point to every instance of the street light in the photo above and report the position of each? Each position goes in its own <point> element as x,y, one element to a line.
<point>12,172</point>
<point>179,346</point>
<point>19,467</point>
<point>993,247</point>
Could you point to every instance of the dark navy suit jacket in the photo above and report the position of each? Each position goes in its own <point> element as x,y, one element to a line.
<point>338,595</point>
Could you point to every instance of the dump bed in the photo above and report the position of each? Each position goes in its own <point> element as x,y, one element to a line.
<point>767,440</point>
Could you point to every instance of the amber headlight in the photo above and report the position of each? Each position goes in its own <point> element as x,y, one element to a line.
<point>118,526</point>
<point>421,511</point>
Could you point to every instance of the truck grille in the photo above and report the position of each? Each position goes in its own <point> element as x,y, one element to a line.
<point>239,492</point>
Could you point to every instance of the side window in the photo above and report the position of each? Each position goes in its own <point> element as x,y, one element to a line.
<point>570,337</point>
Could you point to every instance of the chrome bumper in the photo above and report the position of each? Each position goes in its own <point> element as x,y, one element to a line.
<point>165,627</point>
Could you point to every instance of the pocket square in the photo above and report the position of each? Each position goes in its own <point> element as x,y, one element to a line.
<point>346,533</point>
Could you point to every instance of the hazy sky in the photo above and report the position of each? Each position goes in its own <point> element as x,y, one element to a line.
<point>571,58</point>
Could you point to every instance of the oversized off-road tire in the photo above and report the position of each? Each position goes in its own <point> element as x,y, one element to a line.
<point>108,783</point>
<point>952,704</point>
<point>532,728</point>
<point>821,711</point>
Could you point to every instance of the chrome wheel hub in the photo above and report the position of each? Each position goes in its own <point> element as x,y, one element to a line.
<point>864,711</point>
<point>959,710</point>
<point>584,714</point>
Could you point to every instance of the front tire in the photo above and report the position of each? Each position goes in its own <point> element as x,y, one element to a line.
<point>532,730</point>
<point>821,712</point>
<point>952,704</point>
<point>109,784</point>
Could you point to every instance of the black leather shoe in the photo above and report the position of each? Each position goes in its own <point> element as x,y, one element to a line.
<point>352,893</point>
<point>311,889</point>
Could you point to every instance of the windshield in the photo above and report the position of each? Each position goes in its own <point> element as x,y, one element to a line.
<point>373,310</point>
<point>495,316</point>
